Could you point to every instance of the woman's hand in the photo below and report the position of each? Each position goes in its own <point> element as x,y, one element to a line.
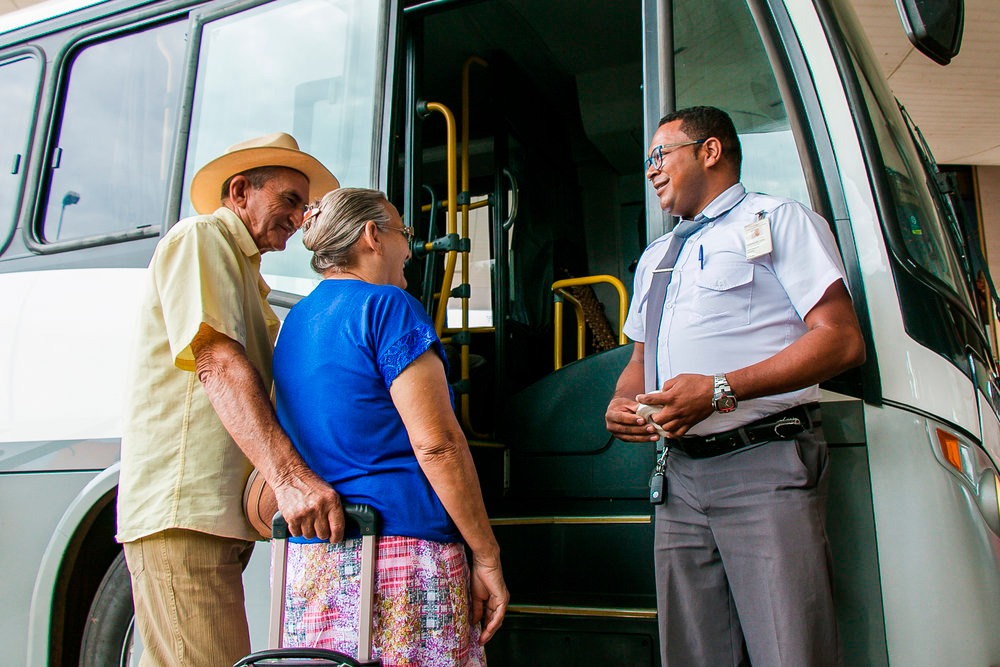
<point>489,598</point>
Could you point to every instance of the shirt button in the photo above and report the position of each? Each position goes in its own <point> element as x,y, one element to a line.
<point>668,305</point>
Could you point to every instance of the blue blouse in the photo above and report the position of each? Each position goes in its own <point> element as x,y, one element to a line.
<point>339,350</point>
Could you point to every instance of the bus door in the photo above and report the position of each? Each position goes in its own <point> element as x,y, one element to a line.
<point>538,107</point>
<point>489,161</point>
<point>553,104</point>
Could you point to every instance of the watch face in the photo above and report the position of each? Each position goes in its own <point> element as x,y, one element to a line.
<point>725,404</point>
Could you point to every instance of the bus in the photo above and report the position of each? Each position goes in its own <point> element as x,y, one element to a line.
<point>511,134</point>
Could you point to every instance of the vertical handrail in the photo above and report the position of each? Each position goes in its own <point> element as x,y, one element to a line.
<point>559,292</point>
<point>557,322</point>
<point>452,218</point>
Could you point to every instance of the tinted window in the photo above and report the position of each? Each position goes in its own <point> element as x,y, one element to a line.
<point>918,224</point>
<point>935,303</point>
<point>307,68</point>
<point>18,83</point>
<point>112,162</point>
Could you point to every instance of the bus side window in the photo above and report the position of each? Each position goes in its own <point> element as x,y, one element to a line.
<point>18,84</point>
<point>110,169</point>
<point>918,220</point>
<point>306,67</point>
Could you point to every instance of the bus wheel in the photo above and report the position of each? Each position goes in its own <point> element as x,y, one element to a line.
<point>107,637</point>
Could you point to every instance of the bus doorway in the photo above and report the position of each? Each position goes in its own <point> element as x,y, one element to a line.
<point>549,144</point>
<point>528,117</point>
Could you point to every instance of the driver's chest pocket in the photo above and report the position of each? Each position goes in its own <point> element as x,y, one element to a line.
<point>722,296</point>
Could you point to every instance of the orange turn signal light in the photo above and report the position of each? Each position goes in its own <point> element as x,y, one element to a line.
<point>950,449</point>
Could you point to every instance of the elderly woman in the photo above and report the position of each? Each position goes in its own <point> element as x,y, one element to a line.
<point>361,389</point>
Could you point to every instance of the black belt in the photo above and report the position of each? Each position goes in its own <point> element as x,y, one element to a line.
<point>781,426</point>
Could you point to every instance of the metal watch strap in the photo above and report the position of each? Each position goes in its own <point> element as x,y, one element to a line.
<point>721,391</point>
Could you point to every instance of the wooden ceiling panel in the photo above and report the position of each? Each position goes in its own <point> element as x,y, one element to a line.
<point>958,106</point>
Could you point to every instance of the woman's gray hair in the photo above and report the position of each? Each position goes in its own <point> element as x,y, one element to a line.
<point>332,233</point>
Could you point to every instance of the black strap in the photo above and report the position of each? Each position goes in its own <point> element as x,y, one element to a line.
<point>784,425</point>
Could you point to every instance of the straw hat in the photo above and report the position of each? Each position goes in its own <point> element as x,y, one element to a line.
<point>271,150</point>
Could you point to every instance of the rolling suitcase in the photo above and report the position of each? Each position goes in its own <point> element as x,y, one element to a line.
<point>367,520</point>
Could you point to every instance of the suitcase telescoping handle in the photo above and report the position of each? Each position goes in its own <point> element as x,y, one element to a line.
<point>367,520</point>
<point>363,515</point>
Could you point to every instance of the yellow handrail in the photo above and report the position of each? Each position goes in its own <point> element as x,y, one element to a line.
<point>581,326</point>
<point>474,205</point>
<point>560,291</point>
<point>452,204</point>
<point>452,224</point>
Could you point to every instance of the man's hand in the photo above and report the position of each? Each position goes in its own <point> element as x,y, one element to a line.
<point>235,389</point>
<point>620,418</point>
<point>686,400</point>
<point>310,506</point>
<point>622,421</point>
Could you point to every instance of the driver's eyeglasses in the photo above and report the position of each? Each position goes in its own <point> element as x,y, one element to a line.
<point>405,230</point>
<point>656,155</point>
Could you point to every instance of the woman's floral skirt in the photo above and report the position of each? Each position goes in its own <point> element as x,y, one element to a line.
<point>421,608</point>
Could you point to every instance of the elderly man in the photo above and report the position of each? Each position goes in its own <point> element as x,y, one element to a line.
<point>200,417</point>
<point>737,315</point>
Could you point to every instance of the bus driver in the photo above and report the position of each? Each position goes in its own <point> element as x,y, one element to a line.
<point>737,315</point>
<point>199,414</point>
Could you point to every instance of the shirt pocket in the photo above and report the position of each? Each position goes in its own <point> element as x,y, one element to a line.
<point>722,296</point>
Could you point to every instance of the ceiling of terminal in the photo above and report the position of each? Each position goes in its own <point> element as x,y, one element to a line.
<point>958,106</point>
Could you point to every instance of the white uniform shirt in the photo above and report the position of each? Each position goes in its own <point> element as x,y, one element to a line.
<point>722,311</point>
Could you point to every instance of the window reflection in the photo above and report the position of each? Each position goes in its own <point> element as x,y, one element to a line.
<point>18,81</point>
<point>720,61</point>
<point>918,222</point>
<point>307,68</point>
<point>112,162</point>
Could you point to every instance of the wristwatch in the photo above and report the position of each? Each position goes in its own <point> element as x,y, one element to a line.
<point>723,400</point>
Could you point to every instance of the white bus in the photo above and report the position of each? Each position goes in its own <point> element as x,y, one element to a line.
<point>512,134</point>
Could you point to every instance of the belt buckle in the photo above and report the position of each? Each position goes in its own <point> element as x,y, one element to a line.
<point>786,427</point>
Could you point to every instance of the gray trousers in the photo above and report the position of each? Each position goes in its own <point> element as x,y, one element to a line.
<point>742,559</point>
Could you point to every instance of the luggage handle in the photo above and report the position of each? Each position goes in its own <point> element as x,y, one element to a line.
<point>366,518</point>
<point>301,657</point>
<point>363,515</point>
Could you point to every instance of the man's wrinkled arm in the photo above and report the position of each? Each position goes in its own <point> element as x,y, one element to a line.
<point>237,393</point>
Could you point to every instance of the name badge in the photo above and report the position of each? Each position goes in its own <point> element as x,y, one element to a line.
<point>757,236</point>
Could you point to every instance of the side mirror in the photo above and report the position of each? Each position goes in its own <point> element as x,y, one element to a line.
<point>934,26</point>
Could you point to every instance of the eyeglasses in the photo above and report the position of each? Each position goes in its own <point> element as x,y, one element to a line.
<point>405,230</point>
<point>656,155</point>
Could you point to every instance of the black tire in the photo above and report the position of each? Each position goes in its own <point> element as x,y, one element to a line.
<point>107,636</point>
